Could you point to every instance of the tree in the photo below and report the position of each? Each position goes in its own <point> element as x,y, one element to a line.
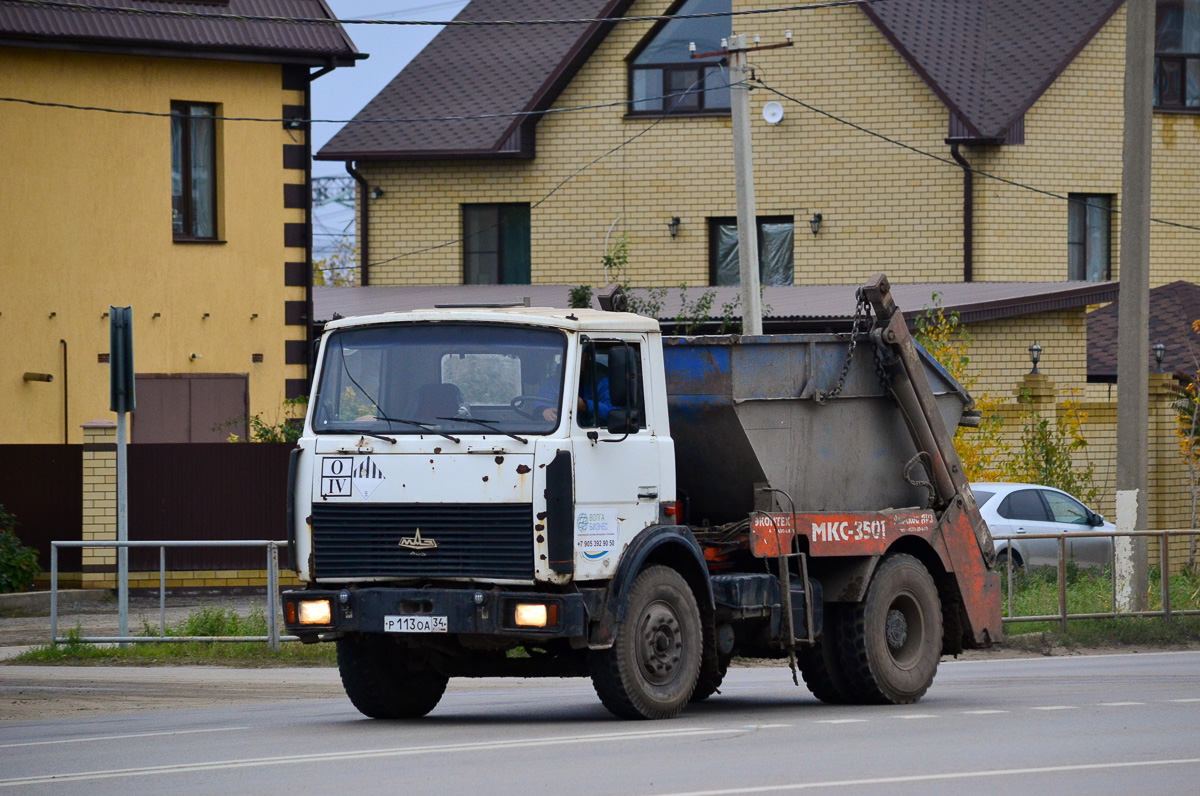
<point>340,268</point>
<point>1187,430</point>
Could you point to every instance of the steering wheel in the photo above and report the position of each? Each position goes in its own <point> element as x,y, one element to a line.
<point>517,402</point>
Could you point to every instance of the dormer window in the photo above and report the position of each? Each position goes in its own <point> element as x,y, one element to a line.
<point>663,77</point>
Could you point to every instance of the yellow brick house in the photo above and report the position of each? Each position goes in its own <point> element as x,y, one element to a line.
<point>129,178</point>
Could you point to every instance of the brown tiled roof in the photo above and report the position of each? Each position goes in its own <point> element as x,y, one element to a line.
<point>1173,307</point>
<point>792,308</point>
<point>474,71</point>
<point>113,31</point>
<point>989,60</point>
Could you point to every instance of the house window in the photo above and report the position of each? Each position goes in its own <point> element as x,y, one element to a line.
<point>1089,237</point>
<point>193,171</point>
<point>496,244</point>
<point>775,259</point>
<point>663,78</point>
<point>1177,55</point>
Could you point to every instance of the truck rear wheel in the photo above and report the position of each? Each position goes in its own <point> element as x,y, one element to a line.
<point>382,681</point>
<point>891,642</point>
<point>651,670</point>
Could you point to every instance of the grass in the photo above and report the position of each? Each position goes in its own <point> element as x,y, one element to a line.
<point>1035,593</point>
<point>211,621</point>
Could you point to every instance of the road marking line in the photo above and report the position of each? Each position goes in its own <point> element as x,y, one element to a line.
<point>916,716</point>
<point>363,754</point>
<point>983,712</point>
<point>120,737</point>
<point>768,726</point>
<point>1118,704</point>
<point>851,783</point>
<point>842,721</point>
<point>1183,700</point>
<point>1055,707</point>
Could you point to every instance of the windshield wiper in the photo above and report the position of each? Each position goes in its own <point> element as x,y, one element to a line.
<point>423,426</point>
<point>378,436</point>
<point>488,424</point>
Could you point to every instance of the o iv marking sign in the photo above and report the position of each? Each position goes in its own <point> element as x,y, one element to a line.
<point>337,476</point>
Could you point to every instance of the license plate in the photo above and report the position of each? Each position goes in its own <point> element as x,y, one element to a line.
<point>415,624</point>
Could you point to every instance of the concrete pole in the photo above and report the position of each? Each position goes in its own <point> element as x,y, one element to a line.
<point>1133,332</point>
<point>743,164</point>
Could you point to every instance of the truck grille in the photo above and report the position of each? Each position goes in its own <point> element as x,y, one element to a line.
<point>474,540</point>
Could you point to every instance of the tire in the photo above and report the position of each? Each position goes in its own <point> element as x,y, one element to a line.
<point>653,666</point>
<point>382,681</point>
<point>1002,563</point>
<point>823,673</point>
<point>713,667</point>
<point>891,642</point>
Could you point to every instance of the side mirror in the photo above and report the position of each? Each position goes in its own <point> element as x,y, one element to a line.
<point>1095,520</point>
<point>623,421</point>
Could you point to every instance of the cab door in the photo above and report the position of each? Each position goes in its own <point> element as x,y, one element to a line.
<point>618,475</point>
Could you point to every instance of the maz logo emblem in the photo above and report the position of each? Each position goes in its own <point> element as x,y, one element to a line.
<point>416,544</point>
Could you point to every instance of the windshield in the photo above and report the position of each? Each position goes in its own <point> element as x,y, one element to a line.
<point>440,378</point>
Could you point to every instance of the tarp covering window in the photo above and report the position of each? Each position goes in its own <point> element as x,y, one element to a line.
<point>776,264</point>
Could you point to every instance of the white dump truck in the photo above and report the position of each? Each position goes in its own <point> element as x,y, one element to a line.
<point>514,491</point>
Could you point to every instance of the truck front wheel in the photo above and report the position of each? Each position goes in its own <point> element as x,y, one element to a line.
<point>891,642</point>
<point>382,680</point>
<point>653,665</point>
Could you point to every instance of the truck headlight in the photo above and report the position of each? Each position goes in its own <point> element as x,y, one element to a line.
<point>535,615</point>
<point>315,612</point>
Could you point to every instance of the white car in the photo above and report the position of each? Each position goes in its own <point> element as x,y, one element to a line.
<point>1015,509</point>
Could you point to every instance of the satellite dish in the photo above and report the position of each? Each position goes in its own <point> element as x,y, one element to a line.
<point>773,113</point>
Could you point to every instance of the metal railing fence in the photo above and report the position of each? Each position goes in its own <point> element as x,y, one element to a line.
<point>1062,617</point>
<point>273,637</point>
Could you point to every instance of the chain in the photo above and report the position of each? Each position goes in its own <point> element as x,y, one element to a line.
<point>862,317</point>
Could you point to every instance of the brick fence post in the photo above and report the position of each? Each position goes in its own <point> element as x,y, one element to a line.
<point>1170,500</point>
<point>99,521</point>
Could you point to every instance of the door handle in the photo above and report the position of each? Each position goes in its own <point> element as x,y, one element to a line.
<point>647,495</point>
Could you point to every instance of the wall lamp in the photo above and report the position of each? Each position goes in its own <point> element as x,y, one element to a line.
<point>37,377</point>
<point>814,223</point>
<point>673,226</point>
<point>1160,351</point>
<point>376,192</point>
<point>1035,355</point>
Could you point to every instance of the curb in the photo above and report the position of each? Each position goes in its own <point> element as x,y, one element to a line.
<point>39,601</point>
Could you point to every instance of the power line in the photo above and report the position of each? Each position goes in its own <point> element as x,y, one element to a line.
<point>176,13</point>
<point>948,161</point>
<point>298,121</point>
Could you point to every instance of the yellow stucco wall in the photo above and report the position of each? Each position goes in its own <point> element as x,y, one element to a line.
<point>85,222</point>
<point>884,208</point>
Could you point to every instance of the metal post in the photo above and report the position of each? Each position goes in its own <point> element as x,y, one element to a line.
<point>53,594</point>
<point>743,164</point>
<point>1062,584</point>
<point>122,530</point>
<point>272,597</point>
<point>162,591</point>
<point>1133,339</point>
<point>1009,566</point>
<point>1165,574</point>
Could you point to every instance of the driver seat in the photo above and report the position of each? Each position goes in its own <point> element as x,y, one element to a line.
<point>438,400</point>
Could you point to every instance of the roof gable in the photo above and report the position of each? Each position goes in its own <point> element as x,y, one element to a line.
<point>989,60</point>
<point>116,31</point>
<point>474,71</point>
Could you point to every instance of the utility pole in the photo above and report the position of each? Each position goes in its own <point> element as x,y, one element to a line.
<point>743,164</point>
<point>1133,332</point>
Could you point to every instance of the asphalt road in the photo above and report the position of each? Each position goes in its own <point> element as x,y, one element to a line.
<point>1090,725</point>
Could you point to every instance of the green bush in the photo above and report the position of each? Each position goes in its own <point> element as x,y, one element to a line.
<point>18,564</point>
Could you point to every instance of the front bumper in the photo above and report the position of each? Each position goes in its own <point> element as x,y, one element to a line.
<point>467,611</point>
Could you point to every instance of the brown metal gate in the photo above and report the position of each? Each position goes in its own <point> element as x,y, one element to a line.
<point>42,485</point>
<point>201,491</point>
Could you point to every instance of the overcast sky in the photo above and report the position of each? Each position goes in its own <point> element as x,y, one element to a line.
<point>343,93</point>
